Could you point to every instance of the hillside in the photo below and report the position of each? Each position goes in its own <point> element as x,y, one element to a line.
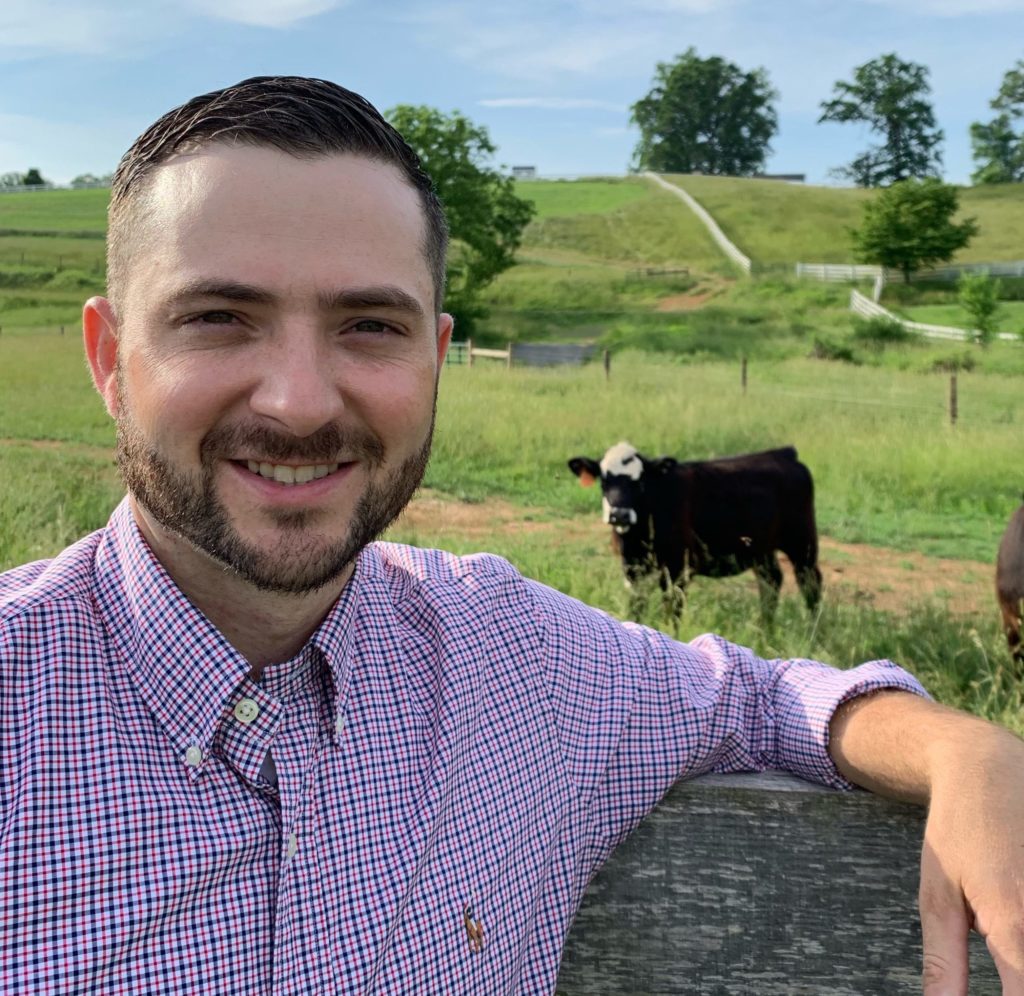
<point>775,222</point>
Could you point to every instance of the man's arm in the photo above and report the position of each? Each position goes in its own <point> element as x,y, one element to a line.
<point>970,774</point>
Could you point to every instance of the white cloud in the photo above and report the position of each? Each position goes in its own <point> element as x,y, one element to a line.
<point>555,103</point>
<point>263,13</point>
<point>29,27</point>
<point>105,27</point>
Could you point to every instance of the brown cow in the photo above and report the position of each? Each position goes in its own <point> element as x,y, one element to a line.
<point>1010,581</point>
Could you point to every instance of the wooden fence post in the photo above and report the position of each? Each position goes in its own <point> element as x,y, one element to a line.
<point>743,374</point>
<point>952,399</point>
<point>607,364</point>
<point>469,352</point>
<point>508,362</point>
<point>62,330</point>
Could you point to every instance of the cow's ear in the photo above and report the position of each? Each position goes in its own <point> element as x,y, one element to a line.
<point>587,470</point>
<point>663,465</point>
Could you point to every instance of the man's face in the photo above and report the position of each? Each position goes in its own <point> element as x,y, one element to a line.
<point>277,354</point>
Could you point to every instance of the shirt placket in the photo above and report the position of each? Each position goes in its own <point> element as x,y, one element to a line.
<point>296,751</point>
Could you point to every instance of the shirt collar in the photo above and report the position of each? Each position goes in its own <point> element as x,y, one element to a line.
<point>185,670</point>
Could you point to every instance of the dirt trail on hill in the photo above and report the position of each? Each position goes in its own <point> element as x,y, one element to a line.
<point>880,577</point>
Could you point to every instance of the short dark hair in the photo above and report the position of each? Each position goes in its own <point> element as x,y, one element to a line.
<point>304,117</point>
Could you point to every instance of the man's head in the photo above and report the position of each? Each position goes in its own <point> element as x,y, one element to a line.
<point>305,118</point>
<point>272,353</point>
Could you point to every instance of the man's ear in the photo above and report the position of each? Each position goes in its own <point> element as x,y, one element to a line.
<point>587,470</point>
<point>445,327</point>
<point>99,330</point>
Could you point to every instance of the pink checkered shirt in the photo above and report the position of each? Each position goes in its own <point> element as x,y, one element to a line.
<point>458,749</point>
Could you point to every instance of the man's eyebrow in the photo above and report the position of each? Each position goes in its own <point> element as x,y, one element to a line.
<point>378,296</point>
<point>350,298</point>
<point>229,290</point>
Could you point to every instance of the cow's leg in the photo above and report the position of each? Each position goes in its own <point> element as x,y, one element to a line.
<point>808,578</point>
<point>1010,608</point>
<point>769,581</point>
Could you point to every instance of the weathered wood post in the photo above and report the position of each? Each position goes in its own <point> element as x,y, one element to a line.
<point>469,352</point>
<point>62,330</point>
<point>607,364</point>
<point>743,374</point>
<point>739,884</point>
<point>952,399</point>
<point>508,359</point>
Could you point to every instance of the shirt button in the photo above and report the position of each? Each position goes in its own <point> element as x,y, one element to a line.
<point>194,756</point>
<point>339,723</point>
<point>293,845</point>
<point>246,711</point>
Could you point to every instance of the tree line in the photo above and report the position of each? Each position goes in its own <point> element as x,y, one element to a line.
<point>707,115</point>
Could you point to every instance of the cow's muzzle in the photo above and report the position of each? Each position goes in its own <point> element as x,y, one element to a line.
<point>620,519</point>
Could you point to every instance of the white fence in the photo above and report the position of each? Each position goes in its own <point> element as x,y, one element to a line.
<point>870,309</point>
<point>717,234</point>
<point>835,273</point>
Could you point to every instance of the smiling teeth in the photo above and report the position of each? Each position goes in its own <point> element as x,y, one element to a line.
<point>292,475</point>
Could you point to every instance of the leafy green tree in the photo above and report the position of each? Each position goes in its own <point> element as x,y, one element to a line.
<point>485,215</point>
<point>996,146</point>
<point>890,95</point>
<point>33,178</point>
<point>910,225</point>
<point>979,297</point>
<point>705,116</point>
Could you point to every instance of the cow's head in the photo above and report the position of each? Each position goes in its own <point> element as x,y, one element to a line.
<point>625,477</point>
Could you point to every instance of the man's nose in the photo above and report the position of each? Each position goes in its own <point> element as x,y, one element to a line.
<point>298,386</point>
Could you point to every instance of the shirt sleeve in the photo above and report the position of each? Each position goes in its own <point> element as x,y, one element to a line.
<point>639,711</point>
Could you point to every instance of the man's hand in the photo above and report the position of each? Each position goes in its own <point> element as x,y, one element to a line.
<point>970,773</point>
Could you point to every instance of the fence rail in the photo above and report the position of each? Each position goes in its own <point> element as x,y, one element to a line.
<point>526,354</point>
<point>764,884</point>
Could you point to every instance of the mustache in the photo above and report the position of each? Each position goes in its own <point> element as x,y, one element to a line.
<point>328,444</point>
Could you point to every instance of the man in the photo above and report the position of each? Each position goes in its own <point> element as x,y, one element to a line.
<point>245,749</point>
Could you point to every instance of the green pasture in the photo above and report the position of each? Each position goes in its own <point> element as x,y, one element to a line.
<point>783,223</point>
<point>1009,318</point>
<point>869,414</point>
<point>645,227</point>
<point>55,211</point>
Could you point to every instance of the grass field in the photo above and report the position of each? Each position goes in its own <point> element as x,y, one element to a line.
<point>888,467</point>
<point>776,222</point>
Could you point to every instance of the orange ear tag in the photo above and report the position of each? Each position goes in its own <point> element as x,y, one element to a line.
<point>586,479</point>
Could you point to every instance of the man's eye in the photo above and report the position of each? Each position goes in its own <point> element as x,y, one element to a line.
<point>370,325</point>
<point>216,317</point>
<point>212,318</point>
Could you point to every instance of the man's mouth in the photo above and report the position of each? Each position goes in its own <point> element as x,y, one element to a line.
<point>285,474</point>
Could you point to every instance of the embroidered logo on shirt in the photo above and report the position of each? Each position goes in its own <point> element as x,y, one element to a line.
<point>474,929</point>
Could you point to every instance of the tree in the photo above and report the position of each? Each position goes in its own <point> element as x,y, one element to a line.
<point>8,180</point>
<point>910,225</point>
<point>996,147</point>
<point>705,116</point>
<point>33,178</point>
<point>889,95</point>
<point>485,215</point>
<point>91,180</point>
<point>979,297</point>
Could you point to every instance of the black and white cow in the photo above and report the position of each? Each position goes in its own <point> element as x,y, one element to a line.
<point>709,517</point>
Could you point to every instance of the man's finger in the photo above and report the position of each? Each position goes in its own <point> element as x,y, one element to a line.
<point>945,925</point>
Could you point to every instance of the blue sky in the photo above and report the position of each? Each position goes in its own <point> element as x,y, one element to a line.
<point>552,81</point>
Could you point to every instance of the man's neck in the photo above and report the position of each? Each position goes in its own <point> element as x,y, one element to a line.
<point>266,628</point>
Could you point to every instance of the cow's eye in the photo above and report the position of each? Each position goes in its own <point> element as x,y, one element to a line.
<point>627,460</point>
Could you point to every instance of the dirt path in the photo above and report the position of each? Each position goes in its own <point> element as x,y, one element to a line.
<point>886,579</point>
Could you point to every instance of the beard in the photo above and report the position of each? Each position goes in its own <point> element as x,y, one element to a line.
<point>302,559</point>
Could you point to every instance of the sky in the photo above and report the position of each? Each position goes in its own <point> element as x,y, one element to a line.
<point>551,80</point>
